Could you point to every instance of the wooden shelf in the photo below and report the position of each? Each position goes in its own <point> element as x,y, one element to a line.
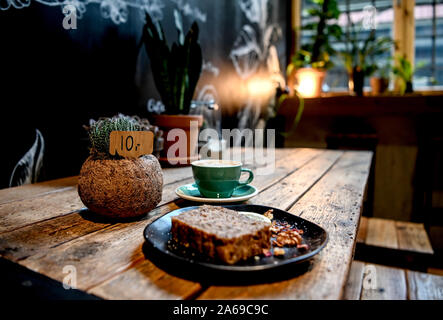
<point>367,106</point>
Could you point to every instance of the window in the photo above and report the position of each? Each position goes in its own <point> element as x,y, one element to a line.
<point>337,78</point>
<point>428,43</point>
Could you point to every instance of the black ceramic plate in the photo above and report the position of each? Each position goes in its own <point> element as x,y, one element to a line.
<point>158,242</point>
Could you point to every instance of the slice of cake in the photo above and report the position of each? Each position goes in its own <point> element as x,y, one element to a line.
<point>221,234</point>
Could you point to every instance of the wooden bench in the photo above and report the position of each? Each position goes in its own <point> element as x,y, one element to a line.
<point>376,282</point>
<point>395,243</point>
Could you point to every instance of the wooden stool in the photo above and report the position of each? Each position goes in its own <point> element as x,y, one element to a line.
<point>395,243</point>
<point>376,282</point>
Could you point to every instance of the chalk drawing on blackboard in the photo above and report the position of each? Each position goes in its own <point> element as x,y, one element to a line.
<point>192,12</point>
<point>246,53</point>
<point>155,106</point>
<point>207,93</point>
<point>248,116</point>
<point>115,10</point>
<point>209,67</point>
<point>273,66</point>
<point>28,168</point>
<point>256,11</point>
<point>253,50</point>
<point>18,4</point>
<point>78,6</point>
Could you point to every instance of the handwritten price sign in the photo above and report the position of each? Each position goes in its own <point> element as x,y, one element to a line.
<point>131,144</point>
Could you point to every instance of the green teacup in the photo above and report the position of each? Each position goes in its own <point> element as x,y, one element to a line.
<point>219,178</point>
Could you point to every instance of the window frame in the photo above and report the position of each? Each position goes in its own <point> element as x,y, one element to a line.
<point>403,29</point>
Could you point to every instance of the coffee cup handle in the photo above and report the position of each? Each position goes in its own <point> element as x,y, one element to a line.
<point>250,178</point>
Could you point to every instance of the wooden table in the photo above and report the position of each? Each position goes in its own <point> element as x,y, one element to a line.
<point>44,227</point>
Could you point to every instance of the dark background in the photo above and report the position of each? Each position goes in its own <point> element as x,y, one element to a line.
<point>55,80</point>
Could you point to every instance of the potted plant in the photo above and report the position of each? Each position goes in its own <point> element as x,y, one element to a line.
<point>114,186</point>
<point>308,66</point>
<point>176,71</point>
<point>380,81</point>
<point>404,71</point>
<point>360,56</point>
<point>143,124</point>
<point>283,118</point>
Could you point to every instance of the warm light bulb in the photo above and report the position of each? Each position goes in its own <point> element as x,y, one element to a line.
<point>260,87</point>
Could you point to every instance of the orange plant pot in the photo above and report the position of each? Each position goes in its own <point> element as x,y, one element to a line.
<point>309,82</point>
<point>170,122</point>
<point>379,85</point>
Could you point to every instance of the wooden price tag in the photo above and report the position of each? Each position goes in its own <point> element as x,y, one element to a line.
<point>131,144</point>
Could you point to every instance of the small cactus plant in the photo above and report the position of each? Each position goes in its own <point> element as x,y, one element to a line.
<point>114,186</point>
<point>99,134</point>
<point>100,130</point>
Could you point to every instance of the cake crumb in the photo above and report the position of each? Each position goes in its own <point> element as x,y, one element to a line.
<point>268,214</point>
<point>279,252</point>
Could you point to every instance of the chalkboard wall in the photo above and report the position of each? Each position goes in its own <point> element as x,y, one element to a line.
<point>55,80</point>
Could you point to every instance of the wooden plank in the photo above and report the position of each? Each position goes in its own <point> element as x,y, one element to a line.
<point>435,271</point>
<point>355,280</point>
<point>424,286</point>
<point>247,157</point>
<point>172,175</point>
<point>37,189</point>
<point>413,237</point>
<point>36,206</point>
<point>99,255</point>
<point>385,283</point>
<point>394,171</point>
<point>284,167</point>
<point>146,281</point>
<point>362,230</point>
<point>143,289</point>
<point>404,30</point>
<point>334,203</point>
<point>285,193</point>
<point>330,106</point>
<point>39,237</point>
<point>382,233</point>
<point>24,205</point>
<point>17,214</point>
<point>14,215</point>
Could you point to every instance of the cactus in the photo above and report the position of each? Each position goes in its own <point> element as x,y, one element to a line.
<point>99,134</point>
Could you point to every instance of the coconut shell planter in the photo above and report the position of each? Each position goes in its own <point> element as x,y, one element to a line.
<point>116,187</point>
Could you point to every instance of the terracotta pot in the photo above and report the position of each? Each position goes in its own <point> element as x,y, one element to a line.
<point>309,82</point>
<point>184,148</point>
<point>379,85</point>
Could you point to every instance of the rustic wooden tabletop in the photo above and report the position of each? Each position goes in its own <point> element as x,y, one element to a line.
<point>44,228</point>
